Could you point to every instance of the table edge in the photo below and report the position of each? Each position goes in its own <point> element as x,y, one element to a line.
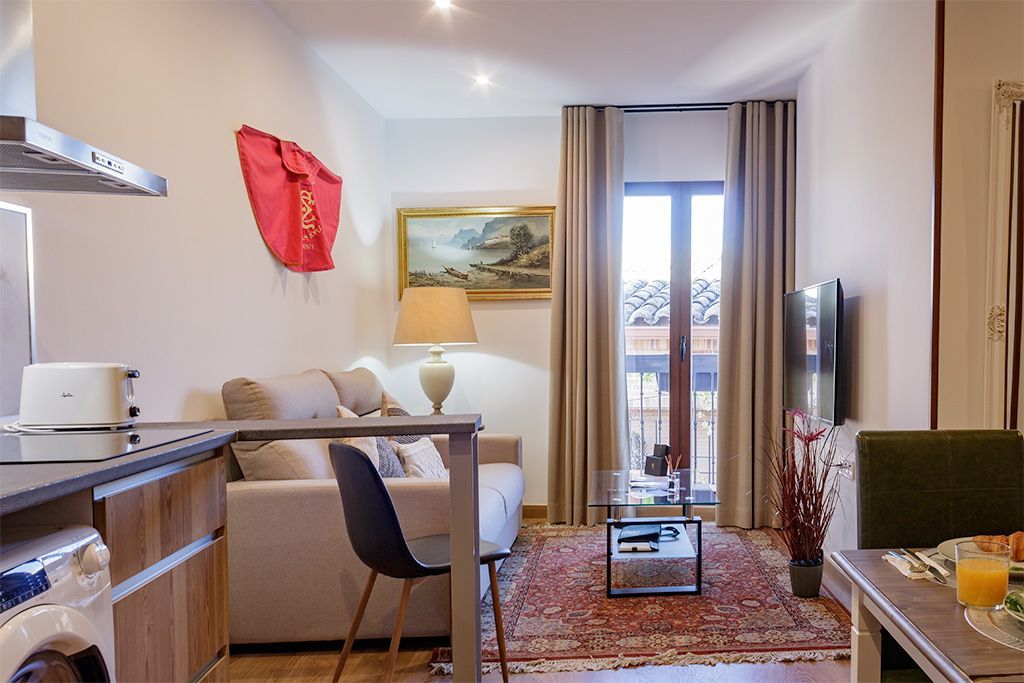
<point>927,648</point>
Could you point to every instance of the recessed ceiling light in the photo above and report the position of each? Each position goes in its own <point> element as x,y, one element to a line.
<point>482,80</point>
<point>443,4</point>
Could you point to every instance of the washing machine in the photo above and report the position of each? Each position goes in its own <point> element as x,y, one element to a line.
<point>56,619</point>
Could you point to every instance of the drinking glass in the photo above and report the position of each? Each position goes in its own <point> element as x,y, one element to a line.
<point>618,486</point>
<point>982,574</point>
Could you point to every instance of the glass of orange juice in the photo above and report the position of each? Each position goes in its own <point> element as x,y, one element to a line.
<point>982,574</point>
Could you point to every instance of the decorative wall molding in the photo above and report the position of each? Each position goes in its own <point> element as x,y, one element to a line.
<point>1004,95</point>
<point>996,323</point>
<point>1003,354</point>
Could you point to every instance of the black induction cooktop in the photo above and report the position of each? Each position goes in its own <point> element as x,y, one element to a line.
<point>82,446</point>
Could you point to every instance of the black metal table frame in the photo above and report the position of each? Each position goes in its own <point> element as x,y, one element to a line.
<point>613,521</point>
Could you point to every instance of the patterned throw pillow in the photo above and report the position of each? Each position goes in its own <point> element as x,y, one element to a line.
<point>367,444</point>
<point>390,407</point>
<point>390,466</point>
<point>421,459</point>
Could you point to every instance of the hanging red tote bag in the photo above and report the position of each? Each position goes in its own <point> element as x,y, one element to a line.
<point>295,198</point>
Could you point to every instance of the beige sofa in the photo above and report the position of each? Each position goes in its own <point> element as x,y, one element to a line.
<point>292,573</point>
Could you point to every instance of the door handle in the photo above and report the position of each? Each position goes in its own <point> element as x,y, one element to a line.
<point>682,347</point>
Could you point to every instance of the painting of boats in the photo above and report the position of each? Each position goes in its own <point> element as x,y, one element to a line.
<point>491,252</point>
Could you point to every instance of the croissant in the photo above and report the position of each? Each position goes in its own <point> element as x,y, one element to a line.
<point>990,544</point>
<point>1017,546</point>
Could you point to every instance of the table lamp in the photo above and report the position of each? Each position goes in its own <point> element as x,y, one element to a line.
<point>432,316</point>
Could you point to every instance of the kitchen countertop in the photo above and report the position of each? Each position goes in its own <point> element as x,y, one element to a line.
<point>25,485</point>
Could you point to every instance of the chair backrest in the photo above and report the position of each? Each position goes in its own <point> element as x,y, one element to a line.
<point>370,517</point>
<point>919,488</point>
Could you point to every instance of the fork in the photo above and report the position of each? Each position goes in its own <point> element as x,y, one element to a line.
<point>916,565</point>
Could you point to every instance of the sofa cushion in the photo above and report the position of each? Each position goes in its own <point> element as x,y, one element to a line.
<point>390,466</point>
<point>492,512</point>
<point>290,397</point>
<point>359,390</point>
<point>421,459</point>
<point>365,444</point>
<point>390,407</point>
<point>292,459</point>
<point>507,480</point>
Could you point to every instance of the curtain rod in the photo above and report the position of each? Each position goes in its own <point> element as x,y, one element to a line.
<point>655,108</point>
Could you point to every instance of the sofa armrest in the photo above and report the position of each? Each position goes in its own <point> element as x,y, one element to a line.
<point>491,448</point>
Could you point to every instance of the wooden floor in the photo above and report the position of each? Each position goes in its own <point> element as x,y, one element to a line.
<point>365,667</point>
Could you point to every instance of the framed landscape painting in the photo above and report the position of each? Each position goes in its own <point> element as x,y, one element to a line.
<point>492,252</point>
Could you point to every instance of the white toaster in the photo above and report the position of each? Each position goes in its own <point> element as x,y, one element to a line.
<point>77,396</point>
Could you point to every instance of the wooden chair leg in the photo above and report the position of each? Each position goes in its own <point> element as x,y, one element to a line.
<point>354,628</point>
<point>396,635</point>
<point>499,627</point>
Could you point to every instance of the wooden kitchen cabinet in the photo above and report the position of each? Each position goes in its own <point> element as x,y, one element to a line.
<point>168,559</point>
<point>146,523</point>
<point>218,673</point>
<point>173,626</point>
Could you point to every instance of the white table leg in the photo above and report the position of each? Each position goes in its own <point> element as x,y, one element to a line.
<point>465,531</point>
<point>865,642</point>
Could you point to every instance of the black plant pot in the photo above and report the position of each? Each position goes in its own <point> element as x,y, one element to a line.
<point>805,577</point>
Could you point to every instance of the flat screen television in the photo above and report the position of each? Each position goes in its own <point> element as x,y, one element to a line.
<point>813,348</point>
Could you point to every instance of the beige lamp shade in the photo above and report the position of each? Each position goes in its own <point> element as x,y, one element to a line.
<point>434,315</point>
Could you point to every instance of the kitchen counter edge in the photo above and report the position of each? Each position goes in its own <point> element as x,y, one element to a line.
<point>23,485</point>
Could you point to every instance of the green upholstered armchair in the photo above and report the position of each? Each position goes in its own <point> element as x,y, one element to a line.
<point>919,488</point>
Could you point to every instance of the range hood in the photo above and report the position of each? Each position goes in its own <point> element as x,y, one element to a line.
<point>36,157</point>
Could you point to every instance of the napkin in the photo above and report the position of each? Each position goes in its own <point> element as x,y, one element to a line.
<point>927,558</point>
<point>903,567</point>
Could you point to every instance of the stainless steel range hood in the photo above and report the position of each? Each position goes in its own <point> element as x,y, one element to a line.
<point>36,157</point>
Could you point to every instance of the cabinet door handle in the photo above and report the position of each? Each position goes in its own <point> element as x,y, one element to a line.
<point>682,347</point>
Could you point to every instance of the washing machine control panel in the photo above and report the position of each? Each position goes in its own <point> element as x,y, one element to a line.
<point>22,583</point>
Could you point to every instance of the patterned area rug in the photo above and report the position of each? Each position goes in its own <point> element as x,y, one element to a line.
<point>557,617</point>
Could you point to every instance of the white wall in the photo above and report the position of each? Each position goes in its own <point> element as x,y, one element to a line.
<point>481,162</point>
<point>183,287</point>
<point>984,43</point>
<point>864,169</point>
<point>514,161</point>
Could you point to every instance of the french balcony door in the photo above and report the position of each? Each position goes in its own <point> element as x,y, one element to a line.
<point>671,261</point>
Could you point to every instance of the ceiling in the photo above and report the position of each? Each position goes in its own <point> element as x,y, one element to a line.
<point>409,59</point>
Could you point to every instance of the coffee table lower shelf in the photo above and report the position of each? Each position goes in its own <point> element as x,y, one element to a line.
<point>680,548</point>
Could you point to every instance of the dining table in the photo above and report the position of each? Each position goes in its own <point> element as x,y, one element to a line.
<point>926,620</point>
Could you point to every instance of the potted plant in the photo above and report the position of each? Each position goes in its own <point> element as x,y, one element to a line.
<point>804,497</point>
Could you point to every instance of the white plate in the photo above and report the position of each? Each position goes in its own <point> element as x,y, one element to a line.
<point>1015,615</point>
<point>948,550</point>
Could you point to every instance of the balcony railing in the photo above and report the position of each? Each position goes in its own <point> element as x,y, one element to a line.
<point>650,412</point>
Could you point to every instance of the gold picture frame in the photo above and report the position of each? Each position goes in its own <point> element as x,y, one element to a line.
<point>482,249</point>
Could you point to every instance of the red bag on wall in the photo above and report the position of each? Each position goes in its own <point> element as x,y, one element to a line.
<point>295,198</point>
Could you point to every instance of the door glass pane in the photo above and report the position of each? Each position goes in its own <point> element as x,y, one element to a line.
<point>646,267</point>
<point>706,260</point>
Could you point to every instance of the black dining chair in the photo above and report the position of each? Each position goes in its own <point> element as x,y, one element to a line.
<point>377,538</point>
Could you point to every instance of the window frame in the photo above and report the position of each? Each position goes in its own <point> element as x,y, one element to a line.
<point>681,193</point>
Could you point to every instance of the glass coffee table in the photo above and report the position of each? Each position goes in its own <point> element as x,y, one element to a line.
<point>618,489</point>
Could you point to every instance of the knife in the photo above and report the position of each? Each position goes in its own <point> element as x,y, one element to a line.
<point>931,570</point>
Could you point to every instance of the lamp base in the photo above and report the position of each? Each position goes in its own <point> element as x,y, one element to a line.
<point>437,377</point>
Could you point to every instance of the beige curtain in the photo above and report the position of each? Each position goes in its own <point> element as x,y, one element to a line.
<point>588,379</point>
<point>757,269</point>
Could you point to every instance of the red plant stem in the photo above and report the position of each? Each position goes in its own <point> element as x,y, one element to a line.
<point>807,490</point>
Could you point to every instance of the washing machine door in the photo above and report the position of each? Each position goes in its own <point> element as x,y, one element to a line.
<point>47,666</point>
<point>52,643</point>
